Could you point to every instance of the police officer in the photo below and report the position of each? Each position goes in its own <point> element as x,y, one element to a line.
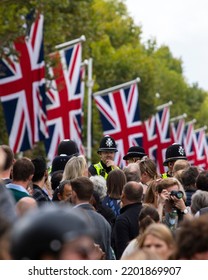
<point>173,153</point>
<point>107,151</point>
<point>134,154</point>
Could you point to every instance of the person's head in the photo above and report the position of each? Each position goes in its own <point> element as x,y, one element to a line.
<point>52,232</point>
<point>132,193</point>
<point>23,170</point>
<point>40,169</point>
<point>9,158</point>
<point>147,216</point>
<point>25,204</point>
<point>148,170</point>
<point>82,190</point>
<point>180,164</point>
<point>56,178</point>
<point>107,148</point>
<point>188,177</point>
<point>134,154</point>
<point>172,186</point>
<point>75,167</point>
<point>158,238</point>
<point>202,181</point>
<point>192,239</point>
<point>115,182</point>
<point>63,192</point>
<point>99,185</point>
<point>199,200</point>
<point>141,254</point>
<point>151,193</point>
<point>132,172</point>
<point>68,147</point>
<point>173,153</point>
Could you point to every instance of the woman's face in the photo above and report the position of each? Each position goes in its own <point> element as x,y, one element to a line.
<point>157,246</point>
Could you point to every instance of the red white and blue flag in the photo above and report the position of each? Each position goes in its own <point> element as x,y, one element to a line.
<point>188,142</point>
<point>120,116</point>
<point>22,90</point>
<point>200,148</point>
<point>150,137</point>
<point>163,136</point>
<point>177,131</point>
<point>65,99</point>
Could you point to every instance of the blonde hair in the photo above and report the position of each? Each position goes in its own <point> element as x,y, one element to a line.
<point>149,166</point>
<point>159,231</point>
<point>74,168</point>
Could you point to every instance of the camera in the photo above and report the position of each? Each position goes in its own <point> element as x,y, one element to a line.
<point>177,194</point>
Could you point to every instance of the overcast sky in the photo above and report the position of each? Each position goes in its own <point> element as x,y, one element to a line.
<point>182,25</point>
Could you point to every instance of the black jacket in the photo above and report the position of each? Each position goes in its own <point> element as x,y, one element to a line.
<point>126,227</point>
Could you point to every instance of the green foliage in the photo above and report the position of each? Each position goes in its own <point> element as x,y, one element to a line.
<point>113,41</point>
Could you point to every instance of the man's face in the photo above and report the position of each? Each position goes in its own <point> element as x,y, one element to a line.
<point>107,155</point>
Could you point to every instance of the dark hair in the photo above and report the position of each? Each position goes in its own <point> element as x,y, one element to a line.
<point>83,187</point>
<point>60,190</point>
<point>192,238</point>
<point>147,216</point>
<point>115,181</point>
<point>56,178</point>
<point>23,168</point>
<point>188,177</point>
<point>40,168</point>
<point>202,181</point>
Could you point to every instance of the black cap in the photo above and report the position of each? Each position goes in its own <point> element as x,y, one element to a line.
<point>68,147</point>
<point>135,151</point>
<point>59,163</point>
<point>174,152</point>
<point>45,230</point>
<point>107,144</point>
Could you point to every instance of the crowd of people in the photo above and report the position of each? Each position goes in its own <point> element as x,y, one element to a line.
<point>70,210</point>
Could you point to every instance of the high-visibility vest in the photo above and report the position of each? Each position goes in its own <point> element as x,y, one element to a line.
<point>101,170</point>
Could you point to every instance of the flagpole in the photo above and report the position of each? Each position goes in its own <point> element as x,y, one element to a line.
<point>90,83</point>
<point>191,122</point>
<point>158,108</point>
<point>178,118</point>
<point>200,129</point>
<point>105,91</point>
<point>69,43</point>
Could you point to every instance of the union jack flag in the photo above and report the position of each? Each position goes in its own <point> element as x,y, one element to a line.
<point>150,141</point>
<point>200,148</point>
<point>177,131</point>
<point>22,90</point>
<point>120,116</point>
<point>188,142</point>
<point>163,132</point>
<point>65,99</point>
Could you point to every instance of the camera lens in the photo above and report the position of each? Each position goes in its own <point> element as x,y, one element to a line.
<point>177,194</point>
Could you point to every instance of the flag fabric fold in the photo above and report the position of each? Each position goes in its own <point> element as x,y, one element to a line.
<point>65,99</point>
<point>120,117</point>
<point>22,90</point>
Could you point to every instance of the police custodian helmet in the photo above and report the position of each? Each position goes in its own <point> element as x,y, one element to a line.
<point>173,153</point>
<point>107,144</point>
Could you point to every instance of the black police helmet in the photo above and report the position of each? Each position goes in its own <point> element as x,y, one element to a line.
<point>173,153</point>
<point>135,151</point>
<point>68,147</point>
<point>45,230</point>
<point>107,144</point>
